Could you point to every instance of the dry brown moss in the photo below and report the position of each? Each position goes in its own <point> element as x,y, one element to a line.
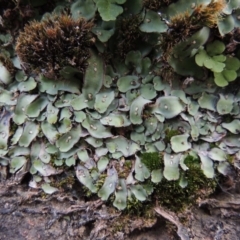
<point>56,42</point>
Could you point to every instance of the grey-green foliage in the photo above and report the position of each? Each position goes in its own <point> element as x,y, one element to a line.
<point>231,19</point>
<point>152,23</point>
<point>183,53</point>
<point>104,119</point>
<point>91,130</point>
<point>109,9</point>
<point>84,9</point>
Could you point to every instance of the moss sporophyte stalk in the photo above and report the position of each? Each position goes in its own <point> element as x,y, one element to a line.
<point>138,101</point>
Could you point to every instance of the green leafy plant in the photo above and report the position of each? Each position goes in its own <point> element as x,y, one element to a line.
<point>224,67</point>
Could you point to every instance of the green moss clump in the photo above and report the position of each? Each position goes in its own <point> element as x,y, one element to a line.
<point>169,133</point>
<point>128,164</point>
<point>152,160</point>
<point>197,181</point>
<point>13,128</point>
<point>171,195</point>
<point>99,183</point>
<point>212,145</point>
<point>138,208</point>
<point>134,207</point>
<point>123,171</point>
<point>230,158</point>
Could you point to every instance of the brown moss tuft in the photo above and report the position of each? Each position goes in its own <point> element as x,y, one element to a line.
<point>208,15</point>
<point>56,42</point>
<point>184,25</point>
<point>202,15</point>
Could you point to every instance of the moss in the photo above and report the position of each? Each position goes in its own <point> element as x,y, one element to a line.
<point>135,207</point>
<point>181,28</point>
<point>9,15</point>
<point>123,167</point>
<point>48,46</point>
<point>230,158</point>
<point>167,73</point>
<point>212,145</point>
<point>53,158</point>
<point>13,128</point>
<point>99,183</point>
<point>124,222</point>
<point>64,182</point>
<point>87,192</point>
<point>128,164</point>
<point>138,208</point>
<point>171,195</point>
<point>190,160</point>
<point>152,160</point>
<point>208,15</point>
<point>118,226</point>
<point>169,133</point>
<point>202,15</point>
<point>44,195</point>
<point>184,25</point>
